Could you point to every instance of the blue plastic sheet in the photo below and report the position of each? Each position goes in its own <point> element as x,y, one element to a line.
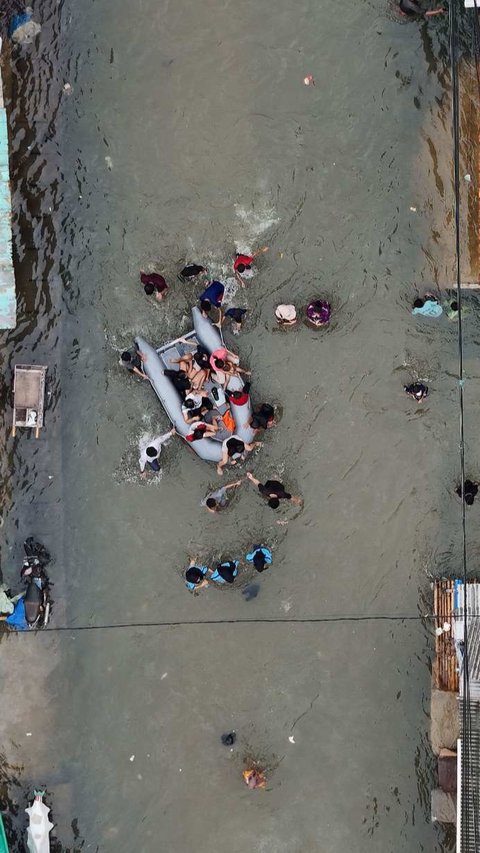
<point>17,619</point>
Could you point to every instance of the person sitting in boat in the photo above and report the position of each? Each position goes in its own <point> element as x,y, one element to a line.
<point>224,365</point>
<point>233,449</point>
<point>217,500</point>
<point>154,285</point>
<point>150,450</point>
<point>132,360</point>
<point>262,418</point>
<point>417,390</point>
<point>192,271</point>
<point>197,375</point>
<point>195,406</point>
<point>196,576</point>
<point>179,381</point>
<point>226,572</point>
<point>201,355</point>
<point>260,556</point>
<point>201,429</point>
<point>273,491</point>
<point>225,355</point>
<point>319,312</point>
<point>239,397</point>
<point>244,263</point>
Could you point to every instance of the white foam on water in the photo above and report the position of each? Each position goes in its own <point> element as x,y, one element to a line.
<point>255,222</point>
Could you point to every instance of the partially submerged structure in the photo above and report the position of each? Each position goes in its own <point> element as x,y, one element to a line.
<point>455,709</point>
<point>8,307</point>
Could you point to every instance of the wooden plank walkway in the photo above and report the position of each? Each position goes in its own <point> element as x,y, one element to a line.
<point>445,666</point>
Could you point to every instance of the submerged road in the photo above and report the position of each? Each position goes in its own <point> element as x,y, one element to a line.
<point>184,133</point>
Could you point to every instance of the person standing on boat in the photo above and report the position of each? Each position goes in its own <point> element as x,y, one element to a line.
<point>244,262</point>
<point>274,492</point>
<point>154,284</point>
<point>150,450</point>
<point>132,359</point>
<point>217,500</point>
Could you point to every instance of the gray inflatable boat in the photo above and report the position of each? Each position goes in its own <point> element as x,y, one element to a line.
<point>157,360</point>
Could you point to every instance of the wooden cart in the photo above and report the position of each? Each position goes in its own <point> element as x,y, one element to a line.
<point>28,397</point>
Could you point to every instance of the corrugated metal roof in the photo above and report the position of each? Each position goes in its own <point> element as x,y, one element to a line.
<point>468,809</point>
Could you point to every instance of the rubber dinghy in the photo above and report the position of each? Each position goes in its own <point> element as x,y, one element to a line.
<point>157,360</point>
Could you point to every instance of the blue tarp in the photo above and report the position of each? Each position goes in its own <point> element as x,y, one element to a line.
<point>17,619</point>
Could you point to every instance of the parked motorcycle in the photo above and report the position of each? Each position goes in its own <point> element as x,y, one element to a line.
<point>37,596</point>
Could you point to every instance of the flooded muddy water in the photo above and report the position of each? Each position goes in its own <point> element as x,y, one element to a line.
<point>147,135</point>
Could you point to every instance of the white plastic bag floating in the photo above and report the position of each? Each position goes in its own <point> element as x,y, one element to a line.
<point>38,832</point>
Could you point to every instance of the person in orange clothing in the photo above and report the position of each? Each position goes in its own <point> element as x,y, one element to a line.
<point>254,778</point>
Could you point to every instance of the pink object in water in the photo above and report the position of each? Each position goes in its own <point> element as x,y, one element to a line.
<point>308,80</point>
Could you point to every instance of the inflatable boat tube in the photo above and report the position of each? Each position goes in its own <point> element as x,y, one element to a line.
<point>169,397</point>
<point>210,337</point>
<point>207,334</point>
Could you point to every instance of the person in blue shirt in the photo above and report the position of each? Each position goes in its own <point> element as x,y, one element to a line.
<point>428,307</point>
<point>196,576</point>
<point>261,557</point>
<point>226,572</point>
<point>212,295</point>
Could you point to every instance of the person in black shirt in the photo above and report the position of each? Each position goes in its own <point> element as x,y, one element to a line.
<point>470,491</point>
<point>263,417</point>
<point>417,390</point>
<point>191,271</point>
<point>274,492</point>
<point>132,359</point>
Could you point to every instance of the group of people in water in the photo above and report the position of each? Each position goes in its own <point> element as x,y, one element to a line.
<point>190,373</point>
<point>430,306</point>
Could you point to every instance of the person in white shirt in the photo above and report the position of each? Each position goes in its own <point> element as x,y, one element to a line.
<point>150,449</point>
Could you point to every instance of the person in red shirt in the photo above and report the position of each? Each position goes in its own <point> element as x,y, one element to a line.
<point>154,284</point>
<point>244,262</point>
<point>202,430</point>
